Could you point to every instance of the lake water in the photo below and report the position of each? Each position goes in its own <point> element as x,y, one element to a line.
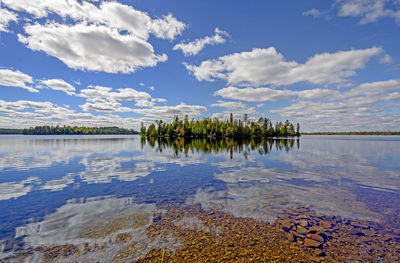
<point>122,198</point>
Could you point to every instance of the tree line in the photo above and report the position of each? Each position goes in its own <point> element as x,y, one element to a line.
<point>10,131</point>
<point>214,128</point>
<point>68,130</point>
<point>355,133</point>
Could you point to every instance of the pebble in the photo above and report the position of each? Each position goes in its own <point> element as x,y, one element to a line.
<point>316,237</point>
<point>304,223</point>
<point>316,229</point>
<point>301,230</point>
<point>308,242</point>
<point>326,224</point>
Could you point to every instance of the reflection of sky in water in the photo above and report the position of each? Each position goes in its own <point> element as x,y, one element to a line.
<point>40,177</point>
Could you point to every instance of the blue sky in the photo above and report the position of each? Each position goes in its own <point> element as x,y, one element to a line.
<point>330,65</point>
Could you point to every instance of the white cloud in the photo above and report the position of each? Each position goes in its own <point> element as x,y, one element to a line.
<point>312,12</point>
<point>166,28</point>
<point>386,59</point>
<point>59,84</point>
<point>267,94</point>
<point>268,67</point>
<point>254,94</point>
<point>91,47</point>
<point>24,114</point>
<point>229,104</point>
<point>317,14</point>
<point>111,14</point>
<point>103,105</point>
<point>374,88</point>
<point>237,114</point>
<point>168,112</point>
<point>111,37</point>
<point>260,105</point>
<point>144,103</point>
<point>126,94</point>
<point>104,99</point>
<point>369,10</point>
<point>17,79</point>
<point>6,17</point>
<point>194,47</point>
<point>369,106</point>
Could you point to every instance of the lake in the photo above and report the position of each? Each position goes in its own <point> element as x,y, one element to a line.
<point>124,198</point>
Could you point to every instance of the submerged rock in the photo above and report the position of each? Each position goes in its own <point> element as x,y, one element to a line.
<point>316,237</point>
<point>304,223</point>
<point>308,242</point>
<point>301,230</point>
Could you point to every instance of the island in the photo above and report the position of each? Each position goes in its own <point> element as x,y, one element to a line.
<point>215,128</point>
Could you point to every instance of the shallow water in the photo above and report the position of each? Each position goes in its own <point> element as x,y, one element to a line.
<point>88,191</point>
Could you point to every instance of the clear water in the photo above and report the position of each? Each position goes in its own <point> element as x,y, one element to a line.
<point>54,189</point>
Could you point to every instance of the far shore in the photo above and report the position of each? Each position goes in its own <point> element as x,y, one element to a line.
<point>352,133</point>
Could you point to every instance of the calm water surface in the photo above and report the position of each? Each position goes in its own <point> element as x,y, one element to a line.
<point>58,190</point>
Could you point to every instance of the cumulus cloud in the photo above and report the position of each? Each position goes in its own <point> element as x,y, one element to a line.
<point>312,12</point>
<point>238,114</point>
<point>104,99</point>
<point>267,94</point>
<point>111,14</point>
<point>254,94</point>
<point>369,106</point>
<point>91,47</point>
<point>59,84</point>
<point>103,105</point>
<point>369,10</point>
<point>229,104</point>
<point>166,28</point>
<point>268,67</point>
<point>194,47</point>
<point>10,78</point>
<point>168,112</point>
<point>6,17</point>
<point>126,94</point>
<point>24,113</point>
<point>110,37</point>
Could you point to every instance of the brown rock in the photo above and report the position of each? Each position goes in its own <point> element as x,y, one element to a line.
<point>319,252</point>
<point>301,230</point>
<point>297,235</point>
<point>315,259</point>
<point>291,237</point>
<point>308,242</point>
<point>304,223</point>
<point>326,224</point>
<point>287,226</point>
<point>316,229</point>
<point>316,237</point>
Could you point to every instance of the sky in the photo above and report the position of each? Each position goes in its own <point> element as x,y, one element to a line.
<point>330,65</point>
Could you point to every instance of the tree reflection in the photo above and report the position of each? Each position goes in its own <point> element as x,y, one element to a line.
<point>263,146</point>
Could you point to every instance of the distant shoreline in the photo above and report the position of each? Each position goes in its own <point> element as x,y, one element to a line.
<point>4,131</point>
<point>68,130</point>
<point>352,133</point>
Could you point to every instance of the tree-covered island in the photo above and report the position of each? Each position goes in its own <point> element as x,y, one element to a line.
<point>215,128</point>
